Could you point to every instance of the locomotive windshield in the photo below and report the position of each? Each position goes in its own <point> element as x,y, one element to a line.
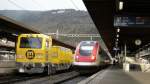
<point>86,48</point>
<point>30,42</point>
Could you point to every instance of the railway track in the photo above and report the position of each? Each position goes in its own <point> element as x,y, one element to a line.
<point>63,77</point>
<point>10,79</point>
<point>53,79</point>
<point>83,78</point>
<point>75,80</point>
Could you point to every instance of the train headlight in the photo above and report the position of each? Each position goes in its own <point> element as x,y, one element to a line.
<point>76,58</point>
<point>93,57</point>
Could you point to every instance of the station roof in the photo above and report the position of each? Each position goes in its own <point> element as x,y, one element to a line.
<point>12,25</point>
<point>103,13</point>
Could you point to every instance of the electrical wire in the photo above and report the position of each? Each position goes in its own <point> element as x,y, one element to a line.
<point>74,5</point>
<point>38,4</point>
<point>10,1</point>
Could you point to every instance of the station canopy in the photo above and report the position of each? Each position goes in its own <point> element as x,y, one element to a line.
<point>121,22</point>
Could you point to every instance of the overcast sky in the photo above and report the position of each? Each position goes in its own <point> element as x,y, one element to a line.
<point>42,5</point>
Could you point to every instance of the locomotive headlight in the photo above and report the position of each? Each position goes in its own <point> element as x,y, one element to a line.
<point>76,58</point>
<point>93,57</point>
<point>21,70</point>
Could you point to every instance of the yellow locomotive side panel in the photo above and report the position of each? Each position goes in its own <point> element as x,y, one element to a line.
<point>60,55</point>
<point>54,55</point>
<point>69,56</point>
<point>32,48</point>
<point>66,55</point>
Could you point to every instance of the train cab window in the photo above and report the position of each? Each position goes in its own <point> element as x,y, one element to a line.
<point>30,42</point>
<point>62,48</point>
<point>47,44</point>
<point>86,50</point>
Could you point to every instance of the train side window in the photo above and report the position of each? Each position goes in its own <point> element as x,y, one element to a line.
<point>62,48</point>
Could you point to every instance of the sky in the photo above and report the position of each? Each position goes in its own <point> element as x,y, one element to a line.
<point>41,5</point>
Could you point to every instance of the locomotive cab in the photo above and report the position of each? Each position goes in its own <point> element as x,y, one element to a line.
<point>32,52</point>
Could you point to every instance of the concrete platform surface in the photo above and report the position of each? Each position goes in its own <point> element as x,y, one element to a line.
<point>7,64</point>
<point>7,67</point>
<point>115,75</point>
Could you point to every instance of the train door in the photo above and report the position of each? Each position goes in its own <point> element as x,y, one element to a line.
<point>48,44</point>
<point>47,49</point>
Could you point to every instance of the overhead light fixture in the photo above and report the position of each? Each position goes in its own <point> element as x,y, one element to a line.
<point>118,30</point>
<point>120,5</point>
<point>4,40</point>
<point>14,34</point>
<point>116,43</point>
<point>117,35</point>
<point>146,45</point>
<point>117,39</point>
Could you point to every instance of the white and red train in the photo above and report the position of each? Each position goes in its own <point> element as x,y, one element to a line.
<point>89,56</point>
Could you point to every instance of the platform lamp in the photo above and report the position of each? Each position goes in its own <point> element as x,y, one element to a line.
<point>4,40</point>
<point>120,5</point>
<point>118,30</point>
<point>138,42</point>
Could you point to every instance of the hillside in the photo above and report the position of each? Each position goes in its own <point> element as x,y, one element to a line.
<point>65,21</point>
<point>50,21</point>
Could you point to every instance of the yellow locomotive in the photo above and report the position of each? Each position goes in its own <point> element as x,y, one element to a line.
<point>35,54</point>
<point>60,56</point>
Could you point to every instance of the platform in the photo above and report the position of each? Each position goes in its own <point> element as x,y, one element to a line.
<point>7,67</point>
<point>115,75</point>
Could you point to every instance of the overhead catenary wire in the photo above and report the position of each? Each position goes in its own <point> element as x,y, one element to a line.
<point>12,2</point>
<point>74,5</point>
<point>19,6</point>
<point>35,2</point>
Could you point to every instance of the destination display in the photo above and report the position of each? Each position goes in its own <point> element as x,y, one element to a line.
<point>130,21</point>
